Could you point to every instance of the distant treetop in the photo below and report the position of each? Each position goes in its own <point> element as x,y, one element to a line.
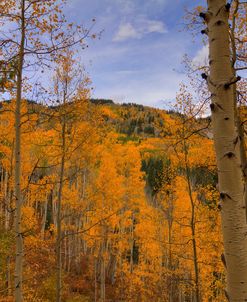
<point>101,101</point>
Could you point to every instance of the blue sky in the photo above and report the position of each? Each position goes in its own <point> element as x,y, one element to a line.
<point>138,58</point>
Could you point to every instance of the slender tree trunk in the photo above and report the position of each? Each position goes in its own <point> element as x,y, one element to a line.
<point>18,198</point>
<point>59,222</point>
<point>227,146</point>
<point>194,247</point>
<point>192,225</point>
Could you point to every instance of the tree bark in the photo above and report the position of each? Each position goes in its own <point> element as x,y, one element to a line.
<point>228,154</point>
<point>239,124</point>
<point>18,198</point>
<point>59,222</point>
<point>192,226</point>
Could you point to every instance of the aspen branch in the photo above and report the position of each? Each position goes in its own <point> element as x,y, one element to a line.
<point>92,226</point>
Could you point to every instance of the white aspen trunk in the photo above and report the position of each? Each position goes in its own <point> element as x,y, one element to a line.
<point>18,198</point>
<point>239,124</point>
<point>227,146</point>
<point>193,233</point>
<point>58,220</point>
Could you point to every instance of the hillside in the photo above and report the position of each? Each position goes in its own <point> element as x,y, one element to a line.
<point>126,210</point>
<point>135,119</point>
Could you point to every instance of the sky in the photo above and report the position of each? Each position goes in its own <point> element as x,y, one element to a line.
<point>138,57</point>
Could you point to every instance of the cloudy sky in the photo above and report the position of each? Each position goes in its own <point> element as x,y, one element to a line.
<point>138,58</point>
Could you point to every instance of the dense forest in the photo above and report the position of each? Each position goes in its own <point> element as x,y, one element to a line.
<point>120,202</point>
<point>139,217</point>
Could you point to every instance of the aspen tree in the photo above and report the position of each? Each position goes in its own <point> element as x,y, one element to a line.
<point>69,85</point>
<point>36,31</point>
<point>221,82</point>
<point>18,198</point>
<point>188,125</point>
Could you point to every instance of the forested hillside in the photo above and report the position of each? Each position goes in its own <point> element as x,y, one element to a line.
<point>110,201</point>
<point>139,214</point>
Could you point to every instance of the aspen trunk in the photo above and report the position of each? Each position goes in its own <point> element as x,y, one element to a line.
<point>193,234</point>
<point>239,124</point>
<point>59,222</point>
<point>18,198</point>
<point>196,293</point>
<point>227,146</point>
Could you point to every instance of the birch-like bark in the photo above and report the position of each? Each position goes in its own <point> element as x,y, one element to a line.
<point>59,222</point>
<point>192,227</point>
<point>239,124</point>
<point>228,154</point>
<point>18,198</point>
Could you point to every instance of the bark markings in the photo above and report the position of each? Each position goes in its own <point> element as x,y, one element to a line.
<point>229,167</point>
<point>18,198</point>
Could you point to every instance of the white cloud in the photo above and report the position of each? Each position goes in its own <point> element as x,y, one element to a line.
<point>125,32</point>
<point>139,28</point>
<point>155,26</point>
<point>201,57</point>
